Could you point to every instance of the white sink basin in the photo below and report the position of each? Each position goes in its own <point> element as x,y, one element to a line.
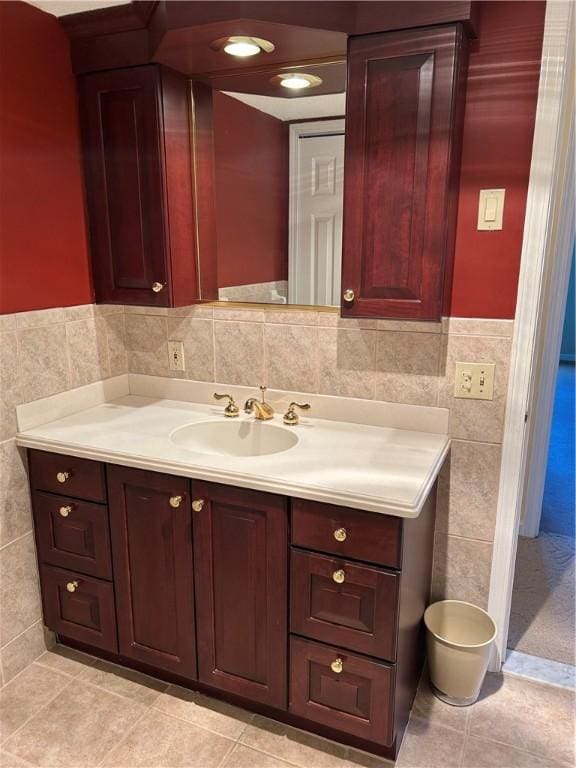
<point>234,438</point>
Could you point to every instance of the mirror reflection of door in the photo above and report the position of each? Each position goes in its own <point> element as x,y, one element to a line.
<point>278,184</point>
<point>315,218</point>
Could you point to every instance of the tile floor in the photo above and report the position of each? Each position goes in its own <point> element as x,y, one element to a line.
<point>72,711</point>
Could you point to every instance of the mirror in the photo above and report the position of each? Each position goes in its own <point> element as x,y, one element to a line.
<point>278,184</point>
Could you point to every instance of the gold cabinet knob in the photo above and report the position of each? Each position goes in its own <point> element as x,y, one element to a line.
<point>348,295</point>
<point>175,501</point>
<point>72,586</point>
<point>157,287</point>
<point>65,511</point>
<point>339,576</point>
<point>62,477</point>
<point>340,534</point>
<point>198,505</point>
<point>337,666</point>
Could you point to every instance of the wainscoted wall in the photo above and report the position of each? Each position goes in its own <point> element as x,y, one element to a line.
<point>53,350</point>
<point>41,353</point>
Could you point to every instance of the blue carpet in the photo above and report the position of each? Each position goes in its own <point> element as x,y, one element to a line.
<point>558,506</point>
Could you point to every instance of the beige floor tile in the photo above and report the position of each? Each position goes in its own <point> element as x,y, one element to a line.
<point>22,651</point>
<point>292,745</point>
<point>245,757</point>
<point>10,761</point>
<point>428,707</point>
<point>479,753</point>
<point>124,682</point>
<point>359,759</point>
<point>534,717</point>
<point>159,741</point>
<point>66,660</point>
<point>26,695</point>
<point>81,725</point>
<point>429,745</point>
<point>204,711</point>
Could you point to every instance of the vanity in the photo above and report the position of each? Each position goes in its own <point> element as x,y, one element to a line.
<point>283,568</point>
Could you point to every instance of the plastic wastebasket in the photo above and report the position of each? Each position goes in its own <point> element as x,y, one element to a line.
<point>459,638</point>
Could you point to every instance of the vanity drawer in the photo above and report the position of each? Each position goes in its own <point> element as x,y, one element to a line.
<point>344,603</point>
<point>79,607</point>
<point>341,690</point>
<point>80,478</point>
<point>73,534</point>
<point>347,532</point>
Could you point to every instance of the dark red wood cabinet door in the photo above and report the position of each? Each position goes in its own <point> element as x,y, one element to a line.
<point>344,691</point>
<point>404,104</point>
<point>72,534</point>
<point>344,603</point>
<point>79,607</point>
<point>240,560</point>
<point>151,530</point>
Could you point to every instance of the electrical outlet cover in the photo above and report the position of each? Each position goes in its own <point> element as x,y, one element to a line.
<point>176,356</point>
<point>474,381</point>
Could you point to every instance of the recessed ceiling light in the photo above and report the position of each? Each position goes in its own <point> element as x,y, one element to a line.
<point>297,81</point>
<point>242,47</point>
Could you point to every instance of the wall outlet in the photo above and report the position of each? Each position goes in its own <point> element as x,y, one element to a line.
<point>176,356</point>
<point>474,381</point>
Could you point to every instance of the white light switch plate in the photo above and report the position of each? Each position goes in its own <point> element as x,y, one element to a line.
<point>474,381</point>
<point>176,356</point>
<point>491,209</point>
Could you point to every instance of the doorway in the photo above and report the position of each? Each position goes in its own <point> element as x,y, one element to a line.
<point>316,202</point>
<point>542,620</point>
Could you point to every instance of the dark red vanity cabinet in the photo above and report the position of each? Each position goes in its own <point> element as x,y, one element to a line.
<point>301,610</point>
<point>405,96</point>
<point>151,529</point>
<point>241,574</point>
<point>139,186</point>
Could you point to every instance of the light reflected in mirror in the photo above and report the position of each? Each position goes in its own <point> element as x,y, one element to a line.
<point>279,162</point>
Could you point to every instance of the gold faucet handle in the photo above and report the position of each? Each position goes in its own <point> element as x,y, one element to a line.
<point>291,417</point>
<point>231,409</point>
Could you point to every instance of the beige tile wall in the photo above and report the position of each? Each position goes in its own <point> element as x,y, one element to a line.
<point>50,351</point>
<point>41,353</point>
<point>397,361</point>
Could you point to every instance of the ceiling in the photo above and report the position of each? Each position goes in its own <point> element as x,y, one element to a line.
<point>307,108</point>
<point>65,7</point>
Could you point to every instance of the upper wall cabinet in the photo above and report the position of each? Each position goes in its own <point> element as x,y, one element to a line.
<point>403,122</point>
<point>139,181</point>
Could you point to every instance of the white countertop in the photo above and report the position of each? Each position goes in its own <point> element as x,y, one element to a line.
<point>374,468</point>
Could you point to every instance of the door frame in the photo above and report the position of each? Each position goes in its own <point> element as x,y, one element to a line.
<point>545,264</point>
<point>297,131</point>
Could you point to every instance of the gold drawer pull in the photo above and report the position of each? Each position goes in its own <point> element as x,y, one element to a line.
<point>339,576</point>
<point>175,501</point>
<point>157,287</point>
<point>65,511</point>
<point>62,477</point>
<point>340,534</point>
<point>198,505</point>
<point>72,586</point>
<point>337,666</point>
<point>348,295</point>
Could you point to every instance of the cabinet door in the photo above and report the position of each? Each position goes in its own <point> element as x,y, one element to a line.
<point>403,124</point>
<point>136,137</point>
<point>241,558</point>
<point>153,572</point>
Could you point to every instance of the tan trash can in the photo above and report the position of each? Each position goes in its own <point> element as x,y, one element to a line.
<point>459,639</point>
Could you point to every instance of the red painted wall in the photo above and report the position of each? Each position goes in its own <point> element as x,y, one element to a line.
<point>43,246</point>
<point>251,151</point>
<point>498,129</point>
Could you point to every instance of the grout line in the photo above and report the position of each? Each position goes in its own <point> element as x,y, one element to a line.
<point>198,725</point>
<point>543,755</point>
<point>9,544</point>
<point>124,737</point>
<point>37,621</point>
<point>37,712</point>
